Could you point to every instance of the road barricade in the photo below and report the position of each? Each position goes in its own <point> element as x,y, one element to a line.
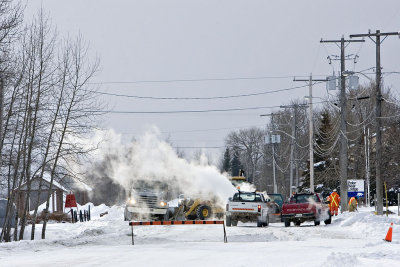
<point>177,223</point>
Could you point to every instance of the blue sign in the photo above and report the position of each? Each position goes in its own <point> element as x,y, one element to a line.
<point>355,194</point>
<point>355,188</point>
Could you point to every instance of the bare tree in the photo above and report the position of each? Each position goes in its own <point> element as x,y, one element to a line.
<point>79,106</point>
<point>249,142</point>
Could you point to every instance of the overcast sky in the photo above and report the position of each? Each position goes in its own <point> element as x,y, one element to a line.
<point>148,47</point>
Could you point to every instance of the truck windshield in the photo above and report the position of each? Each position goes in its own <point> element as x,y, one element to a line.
<point>305,198</point>
<point>247,197</point>
<point>149,185</point>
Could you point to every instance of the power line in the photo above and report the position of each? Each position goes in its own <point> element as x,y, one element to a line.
<point>198,98</point>
<point>200,80</point>
<point>213,129</point>
<point>198,147</point>
<point>186,111</point>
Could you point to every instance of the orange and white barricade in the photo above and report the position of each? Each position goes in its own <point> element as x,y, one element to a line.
<point>177,223</point>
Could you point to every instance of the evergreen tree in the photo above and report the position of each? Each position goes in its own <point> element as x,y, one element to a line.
<point>323,138</point>
<point>226,165</point>
<point>324,152</point>
<point>236,165</point>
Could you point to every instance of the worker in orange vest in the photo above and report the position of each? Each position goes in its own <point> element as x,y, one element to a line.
<point>334,200</point>
<point>353,204</point>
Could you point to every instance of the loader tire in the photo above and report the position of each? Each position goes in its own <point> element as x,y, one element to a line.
<point>203,212</point>
<point>228,221</point>
<point>234,223</point>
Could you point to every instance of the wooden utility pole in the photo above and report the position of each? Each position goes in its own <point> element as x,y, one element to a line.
<point>343,157</point>
<point>1,116</point>
<point>378,113</point>
<point>293,145</point>
<point>272,139</point>
<point>311,125</point>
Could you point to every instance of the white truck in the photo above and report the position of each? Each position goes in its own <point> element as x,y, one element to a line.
<point>247,207</point>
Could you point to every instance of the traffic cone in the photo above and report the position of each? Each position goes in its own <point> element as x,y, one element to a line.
<point>389,234</point>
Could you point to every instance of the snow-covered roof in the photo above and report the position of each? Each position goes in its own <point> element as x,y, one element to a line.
<point>47,179</point>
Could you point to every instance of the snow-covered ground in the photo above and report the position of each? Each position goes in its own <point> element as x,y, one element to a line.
<point>353,239</point>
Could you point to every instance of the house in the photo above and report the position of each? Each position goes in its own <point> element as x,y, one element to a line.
<point>56,198</point>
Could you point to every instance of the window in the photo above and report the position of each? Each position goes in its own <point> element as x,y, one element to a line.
<point>306,198</point>
<point>247,197</point>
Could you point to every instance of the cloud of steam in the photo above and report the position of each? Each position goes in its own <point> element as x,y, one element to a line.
<point>312,203</point>
<point>151,159</point>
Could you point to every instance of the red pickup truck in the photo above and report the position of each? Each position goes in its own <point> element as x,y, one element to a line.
<point>305,207</point>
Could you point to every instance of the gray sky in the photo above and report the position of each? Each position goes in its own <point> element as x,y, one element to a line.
<point>157,41</point>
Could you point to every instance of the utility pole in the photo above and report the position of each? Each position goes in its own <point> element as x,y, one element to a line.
<point>293,143</point>
<point>272,139</point>
<point>1,115</point>
<point>311,126</point>
<point>378,112</point>
<point>367,172</point>
<point>343,157</point>
<point>273,169</point>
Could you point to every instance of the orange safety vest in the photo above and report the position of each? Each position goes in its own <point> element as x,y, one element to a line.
<point>334,200</point>
<point>351,200</point>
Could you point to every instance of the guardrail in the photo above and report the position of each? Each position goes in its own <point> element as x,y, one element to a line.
<point>177,223</point>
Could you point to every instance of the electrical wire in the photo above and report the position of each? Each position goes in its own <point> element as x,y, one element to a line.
<point>198,147</point>
<point>203,130</point>
<point>326,152</point>
<point>199,98</point>
<point>186,111</point>
<point>200,80</point>
<point>363,122</point>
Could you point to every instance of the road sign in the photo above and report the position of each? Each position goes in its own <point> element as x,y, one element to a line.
<point>70,201</point>
<point>355,188</point>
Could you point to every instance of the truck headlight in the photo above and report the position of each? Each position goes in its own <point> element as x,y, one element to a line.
<point>132,201</point>
<point>163,203</point>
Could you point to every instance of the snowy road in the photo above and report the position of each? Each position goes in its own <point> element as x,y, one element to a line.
<point>353,239</point>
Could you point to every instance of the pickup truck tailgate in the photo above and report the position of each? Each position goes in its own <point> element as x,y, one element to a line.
<point>245,207</point>
<point>297,208</point>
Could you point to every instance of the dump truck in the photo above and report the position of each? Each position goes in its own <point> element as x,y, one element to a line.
<point>147,200</point>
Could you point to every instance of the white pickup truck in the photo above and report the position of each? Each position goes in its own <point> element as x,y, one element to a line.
<point>247,207</point>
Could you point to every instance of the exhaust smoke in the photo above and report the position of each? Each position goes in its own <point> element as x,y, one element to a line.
<point>153,160</point>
